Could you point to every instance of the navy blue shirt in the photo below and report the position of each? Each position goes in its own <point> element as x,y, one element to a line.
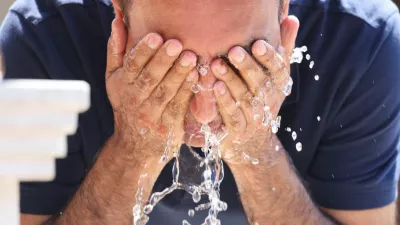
<point>349,157</point>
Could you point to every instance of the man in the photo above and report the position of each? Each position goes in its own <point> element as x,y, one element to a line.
<point>346,118</point>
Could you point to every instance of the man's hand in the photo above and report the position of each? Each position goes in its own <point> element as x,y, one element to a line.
<point>149,89</point>
<point>249,104</point>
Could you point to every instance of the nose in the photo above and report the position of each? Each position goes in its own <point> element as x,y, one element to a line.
<point>203,106</point>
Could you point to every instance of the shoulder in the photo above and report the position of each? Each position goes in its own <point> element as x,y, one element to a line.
<point>372,12</point>
<point>36,11</point>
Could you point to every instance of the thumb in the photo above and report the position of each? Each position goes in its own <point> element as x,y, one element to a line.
<point>116,46</point>
<point>289,28</point>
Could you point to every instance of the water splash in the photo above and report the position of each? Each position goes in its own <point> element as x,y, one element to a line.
<point>311,64</point>
<point>294,135</point>
<point>203,67</point>
<point>316,77</point>
<point>143,131</point>
<point>299,147</point>
<point>210,166</point>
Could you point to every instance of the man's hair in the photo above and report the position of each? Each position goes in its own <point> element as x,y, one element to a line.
<point>125,4</point>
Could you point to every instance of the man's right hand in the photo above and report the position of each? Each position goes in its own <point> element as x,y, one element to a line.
<point>149,87</point>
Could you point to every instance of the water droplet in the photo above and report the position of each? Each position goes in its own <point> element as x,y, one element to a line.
<point>288,87</point>
<point>147,209</point>
<point>308,57</point>
<point>274,127</point>
<point>341,126</point>
<point>277,148</point>
<point>384,106</point>
<point>299,146</point>
<point>373,82</point>
<point>191,212</point>
<point>304,48</point>
<point>318,118</point>
<point>266,108</point>
<point>297,56</point>
<point>185,222</point>
<point>255,161</point>
<point>301,129</point>
<point>143,131</point>
<point>294,135</point>
<point>374,140</point>
<point>256,117</point>
<point>288,129</point>
<point>203,67</point>
<point>196,197</point>
<point>207,174</point>
<point>237,104</point>
<point>195,88</point>
<point>311,64</point>
<point>268,84</point>
<point>316,77</point>
<point>245,156</point>
<point>273,189</point>
<point>278,121</point>
<point>333,176</point>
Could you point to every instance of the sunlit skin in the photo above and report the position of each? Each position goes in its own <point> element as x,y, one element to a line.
<point>209,29</point>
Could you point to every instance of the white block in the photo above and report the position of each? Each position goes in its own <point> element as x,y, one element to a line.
<point>9,201</point>
<point>35,118</point>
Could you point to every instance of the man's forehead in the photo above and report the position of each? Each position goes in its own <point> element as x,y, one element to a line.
<point>212,27</point>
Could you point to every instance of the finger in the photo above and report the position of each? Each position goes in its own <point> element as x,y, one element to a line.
<point>176,109</point>
<point>169,86</point>
<point>250,70</point>
<point>268,57</point>
<point>116,46</point>
<point>232,116</point>
<point>137,58</point>
<point>237,88</point>
<point>157,68</point>
<point>289,28</point>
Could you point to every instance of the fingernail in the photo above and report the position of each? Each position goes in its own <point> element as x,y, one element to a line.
<point>237,54</point>
<point>222,68</point>
<point>173,48</point>
<point>186,60</point>
<point>220,88</point>
<point>153,42</point>
<point>260,48</point>
<point>191,76</point>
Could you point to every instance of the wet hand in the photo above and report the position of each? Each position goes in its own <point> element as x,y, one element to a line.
<point>149,87</point>
<point>249,104</point>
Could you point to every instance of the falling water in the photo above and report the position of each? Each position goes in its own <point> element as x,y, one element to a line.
<point>210,166</point>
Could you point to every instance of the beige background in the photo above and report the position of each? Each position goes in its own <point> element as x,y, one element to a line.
<point>4,5</point>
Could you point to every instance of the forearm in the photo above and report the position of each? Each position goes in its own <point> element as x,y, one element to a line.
<point>271,192</point>
<point>107,194</point>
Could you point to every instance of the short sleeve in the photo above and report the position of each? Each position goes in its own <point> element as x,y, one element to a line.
<point>356,164</point>
<point>20,45</point>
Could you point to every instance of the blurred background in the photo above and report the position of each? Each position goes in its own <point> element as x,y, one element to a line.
<point>5,4</point>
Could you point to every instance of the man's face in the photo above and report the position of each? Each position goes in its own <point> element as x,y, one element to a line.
<point>209,28</point>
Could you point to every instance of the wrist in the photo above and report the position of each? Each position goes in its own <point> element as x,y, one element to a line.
<point>130,152</point>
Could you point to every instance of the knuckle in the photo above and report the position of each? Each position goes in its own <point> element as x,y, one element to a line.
<point>159,96</point>
<point>175,109</point>
<point>177,75</point>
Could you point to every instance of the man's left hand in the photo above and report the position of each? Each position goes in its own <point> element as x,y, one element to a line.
<point>249,104</point>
